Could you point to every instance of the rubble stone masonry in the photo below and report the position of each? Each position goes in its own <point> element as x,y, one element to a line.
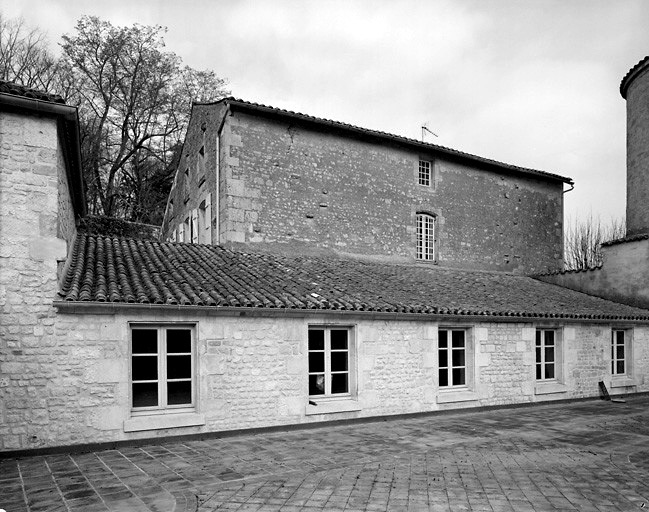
<point>297,188</point>
<point>64,371</point>
<point>70,383</point>
<point>34,368</point>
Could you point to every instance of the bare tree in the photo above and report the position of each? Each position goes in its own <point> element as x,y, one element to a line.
<point>24,55</point>
<point>583,240</point>
<point>134,102</point>
<point>134,99</point>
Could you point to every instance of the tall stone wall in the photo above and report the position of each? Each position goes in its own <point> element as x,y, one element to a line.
<point>196,176</point>
<point>287,187</point>
<point>292,188</point>
<point>637,133</point>
<point>36,225</point>
<point>252,372</point>
<point>623,276</point>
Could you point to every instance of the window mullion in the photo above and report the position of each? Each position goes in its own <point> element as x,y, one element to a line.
<point>194,383</point>
<point>432,239</point>
<point>162,367</point>
<point>327,358</point>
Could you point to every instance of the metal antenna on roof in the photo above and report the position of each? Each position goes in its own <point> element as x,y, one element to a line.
<point>425,129</point>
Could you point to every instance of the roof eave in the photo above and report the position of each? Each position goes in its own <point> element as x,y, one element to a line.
<point>450,153</point>
<point>91,307</point>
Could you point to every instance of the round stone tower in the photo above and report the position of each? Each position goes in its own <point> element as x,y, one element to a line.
<point>635,90</point>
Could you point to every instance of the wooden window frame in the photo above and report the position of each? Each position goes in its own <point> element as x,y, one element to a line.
<point>425,175</point>
<point>327,350</point>
<point>162,380</point>
<point>449,350</point>
<point>541,362</point>
<point>627,348</point>
<point>425,233</point>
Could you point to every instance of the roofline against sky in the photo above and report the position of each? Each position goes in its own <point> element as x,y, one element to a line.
<point>632,74</point>
<point>397,139</point>
<point>110,308</point>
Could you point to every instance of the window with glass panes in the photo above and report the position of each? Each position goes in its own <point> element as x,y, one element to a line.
<point>618,352</point>
<point>329,361</point>
<point>162,367</point>
<point>546,354</point>
<point>452,356</point>
<point>425,236</point>
<point>424,173</point>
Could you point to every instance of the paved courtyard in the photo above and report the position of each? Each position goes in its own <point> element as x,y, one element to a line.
<point>583,456</point>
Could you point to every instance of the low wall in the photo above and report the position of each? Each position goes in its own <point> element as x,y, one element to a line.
<point>623,277</point>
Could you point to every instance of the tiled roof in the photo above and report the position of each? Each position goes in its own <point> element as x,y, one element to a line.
<point>631,74</point>
<point>395,138</point>
<point>123,270</point>
<point>20,90</point>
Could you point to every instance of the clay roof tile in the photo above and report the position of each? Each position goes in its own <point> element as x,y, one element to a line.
<point>123,270</point>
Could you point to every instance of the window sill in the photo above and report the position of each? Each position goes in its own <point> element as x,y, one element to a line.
<point>548,388</point>
<point>332,406</point>
<point>160,421</point>
<point>460,395</point>
<point>622,381</point>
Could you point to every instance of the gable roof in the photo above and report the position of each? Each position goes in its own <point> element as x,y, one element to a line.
<point>328,124</point>
<point>127,271</point>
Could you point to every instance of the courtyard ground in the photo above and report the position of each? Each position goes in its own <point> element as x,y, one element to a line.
<point>590,455</point>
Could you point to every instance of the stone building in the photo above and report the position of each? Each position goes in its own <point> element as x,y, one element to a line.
<point>113,339</point>
<point>253,177</point>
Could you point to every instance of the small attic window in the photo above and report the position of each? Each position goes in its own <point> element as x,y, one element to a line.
<point>425,172</point>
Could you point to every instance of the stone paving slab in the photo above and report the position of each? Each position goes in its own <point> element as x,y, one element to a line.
<point>581,456</point>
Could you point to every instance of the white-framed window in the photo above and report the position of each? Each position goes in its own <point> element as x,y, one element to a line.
<point>425,237</point>
<point>425,172</point>
<point>621,352</point>
<point>331,361</point>
<point>162,369</point>
<point>548,354</point>
<point>454,356</point>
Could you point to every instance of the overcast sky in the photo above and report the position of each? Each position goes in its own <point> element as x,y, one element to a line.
<point>533,83</point>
